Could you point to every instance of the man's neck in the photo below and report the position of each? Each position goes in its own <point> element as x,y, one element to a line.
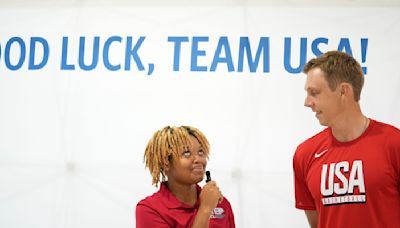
<point>350,127</point>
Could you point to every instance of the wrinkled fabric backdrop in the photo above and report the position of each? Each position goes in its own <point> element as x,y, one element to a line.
<point>82,90</point>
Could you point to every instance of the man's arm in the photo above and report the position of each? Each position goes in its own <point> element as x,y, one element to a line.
<point>312,217</point>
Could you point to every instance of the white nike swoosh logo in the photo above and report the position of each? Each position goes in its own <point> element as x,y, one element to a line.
<point>317,155</point>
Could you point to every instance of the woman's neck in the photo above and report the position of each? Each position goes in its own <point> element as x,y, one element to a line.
<point>184,193</point>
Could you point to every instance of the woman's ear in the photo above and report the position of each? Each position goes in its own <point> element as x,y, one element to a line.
<point>168,163</point>
<point>164,172</point>
<point>166,167</point>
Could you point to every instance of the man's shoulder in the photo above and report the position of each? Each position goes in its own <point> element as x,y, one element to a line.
<point>387,128</point>
<point>314,141</point>
<point>317,143</point>
<point>386,133</point>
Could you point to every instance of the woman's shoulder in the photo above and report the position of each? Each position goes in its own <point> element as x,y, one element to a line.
<point>150,200</point>
<point>225,204</point>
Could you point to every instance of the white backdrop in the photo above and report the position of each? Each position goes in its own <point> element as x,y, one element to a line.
<point>72,141</point>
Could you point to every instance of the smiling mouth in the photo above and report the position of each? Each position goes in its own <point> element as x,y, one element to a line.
<point>198,169</point>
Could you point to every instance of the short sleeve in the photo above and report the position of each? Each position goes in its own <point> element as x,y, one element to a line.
<point>148,217</point>
<point>393,141</point>
<point>231,216</point>
<point>303,197</point>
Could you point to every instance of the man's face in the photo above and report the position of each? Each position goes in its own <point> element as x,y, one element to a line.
<point>189,166</point>
<point>321,99</point>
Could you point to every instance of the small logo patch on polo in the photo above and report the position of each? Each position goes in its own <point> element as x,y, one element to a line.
<point>218,212</point>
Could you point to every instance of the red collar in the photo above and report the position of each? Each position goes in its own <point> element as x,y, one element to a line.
<point>170,201</point>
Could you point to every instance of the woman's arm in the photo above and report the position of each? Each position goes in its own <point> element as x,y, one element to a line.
<point>209,197</point>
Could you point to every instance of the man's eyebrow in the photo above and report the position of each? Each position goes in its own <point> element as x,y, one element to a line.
<point>310,88</point>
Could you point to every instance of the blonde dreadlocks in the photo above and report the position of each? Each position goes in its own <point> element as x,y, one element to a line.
<point>167,142</point>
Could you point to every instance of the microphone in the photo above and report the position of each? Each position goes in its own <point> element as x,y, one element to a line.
<point>208,176</point>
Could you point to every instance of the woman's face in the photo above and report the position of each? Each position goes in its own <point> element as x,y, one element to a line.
<point>189,167</point>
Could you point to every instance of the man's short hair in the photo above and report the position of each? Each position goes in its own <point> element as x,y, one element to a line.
<point>339,67</point>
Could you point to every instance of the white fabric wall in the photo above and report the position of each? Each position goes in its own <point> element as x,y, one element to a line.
<point>72,141</point>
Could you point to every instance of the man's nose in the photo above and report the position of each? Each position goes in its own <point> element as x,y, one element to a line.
<point>307,102</point>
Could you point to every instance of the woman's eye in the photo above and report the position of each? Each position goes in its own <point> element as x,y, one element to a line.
<point>201,153</point>
<point>186,154</point>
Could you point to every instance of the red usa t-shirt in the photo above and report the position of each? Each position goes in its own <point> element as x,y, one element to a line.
<point>351,184</point>
<point>163,209</point>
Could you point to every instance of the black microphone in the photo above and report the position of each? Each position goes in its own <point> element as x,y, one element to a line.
<point>208,176</point>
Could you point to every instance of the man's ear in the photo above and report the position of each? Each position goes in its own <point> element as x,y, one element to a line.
<point>345,89</point>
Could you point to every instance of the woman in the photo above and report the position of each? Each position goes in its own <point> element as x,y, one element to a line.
<point>178,155</point>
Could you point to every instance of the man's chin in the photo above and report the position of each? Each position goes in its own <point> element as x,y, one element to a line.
<point>323,122</point>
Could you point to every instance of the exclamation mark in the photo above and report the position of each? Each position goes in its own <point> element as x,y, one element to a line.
<point>364,45</point>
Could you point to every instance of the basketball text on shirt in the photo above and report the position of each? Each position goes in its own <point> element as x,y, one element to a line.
<point>340,181</point>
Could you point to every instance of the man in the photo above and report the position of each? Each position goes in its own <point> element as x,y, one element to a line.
<point>348,175</point>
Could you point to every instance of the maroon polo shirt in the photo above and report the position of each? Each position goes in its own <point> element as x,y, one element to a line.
<point>163,209</point>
